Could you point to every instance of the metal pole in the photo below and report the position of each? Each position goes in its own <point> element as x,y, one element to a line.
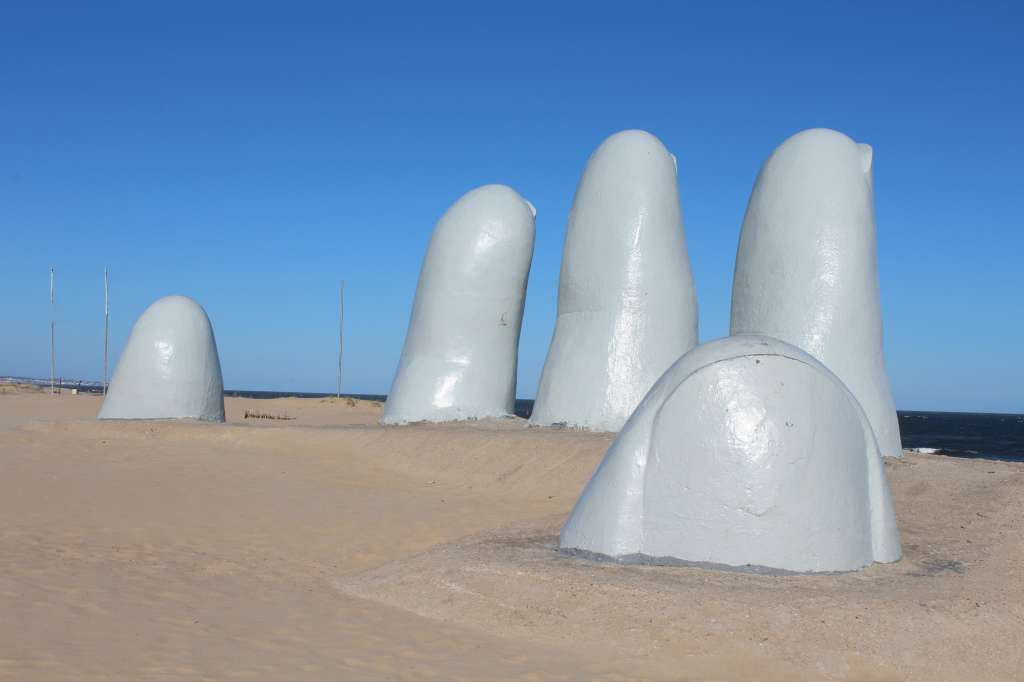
<point>106,325</point>
<point>53,324</point>
<point>341,331</point>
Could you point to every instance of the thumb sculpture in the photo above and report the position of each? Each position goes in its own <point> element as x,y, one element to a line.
<point>626,302</point>
<point>170,368</point>
<point>747,453</point>
<point>461,349</point>
<point>806,268</point>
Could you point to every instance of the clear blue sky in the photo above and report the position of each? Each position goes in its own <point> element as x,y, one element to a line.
<point>250,156</point>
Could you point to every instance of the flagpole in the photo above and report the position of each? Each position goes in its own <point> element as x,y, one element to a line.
<point>341,331</point>
<point>53,333</point>
<point>106,326</point>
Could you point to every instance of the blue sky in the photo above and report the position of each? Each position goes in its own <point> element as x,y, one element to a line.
<point>252,155</point>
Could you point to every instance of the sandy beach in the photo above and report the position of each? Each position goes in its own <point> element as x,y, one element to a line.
<point>325,546</point>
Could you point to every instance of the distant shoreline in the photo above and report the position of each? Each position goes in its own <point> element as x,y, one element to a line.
<point>96,386</point>
<point>974,435</point>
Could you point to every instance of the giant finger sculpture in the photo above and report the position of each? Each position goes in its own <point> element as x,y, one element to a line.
<point>806,269</point>
<point>747,453</point>
<point>460,354</point>
<point>170,368</point>
<point>626,302</point>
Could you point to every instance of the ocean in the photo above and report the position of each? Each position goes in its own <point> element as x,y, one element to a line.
<point>964,434</point>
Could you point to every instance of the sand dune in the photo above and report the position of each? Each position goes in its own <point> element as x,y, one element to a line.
<point>328,547</point>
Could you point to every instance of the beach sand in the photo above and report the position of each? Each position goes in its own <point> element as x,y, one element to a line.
<point>328,547</point>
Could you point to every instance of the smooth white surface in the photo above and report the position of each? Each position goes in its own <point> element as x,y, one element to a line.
<point>806,269</point>
<point>460,354</point>
<point>747,452</point>
<point>626,302</point>
<point>169,368</point>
